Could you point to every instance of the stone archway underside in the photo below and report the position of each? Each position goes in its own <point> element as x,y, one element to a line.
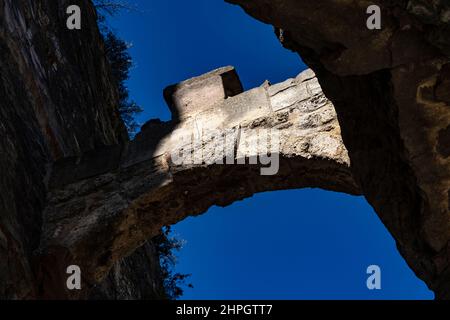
<point>124,194</point>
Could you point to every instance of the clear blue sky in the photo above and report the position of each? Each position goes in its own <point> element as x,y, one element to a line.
<point>301,244</point>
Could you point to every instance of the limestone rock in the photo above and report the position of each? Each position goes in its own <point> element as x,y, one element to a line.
<point>390,91</point>
<point>182,167</point>
<point>56,101</point>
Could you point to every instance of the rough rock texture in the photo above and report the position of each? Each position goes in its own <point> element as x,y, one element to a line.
<point>74,190</point>
<point>105,203</point>
<point>134,277</point>
<point>391,90</point>
<point>56,100</point>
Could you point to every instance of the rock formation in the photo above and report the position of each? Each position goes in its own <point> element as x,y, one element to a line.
<point>56,100</point>
<point>390,88</point>
<point>104,204</point>
<point>76,191</point>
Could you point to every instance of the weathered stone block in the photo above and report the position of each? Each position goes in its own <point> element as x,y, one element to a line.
<point>201,93</point>
<point>148,143</point>
<point>288,94</point>
<point>305,75</point>
<point>248,105</point>
<point>314,87</point>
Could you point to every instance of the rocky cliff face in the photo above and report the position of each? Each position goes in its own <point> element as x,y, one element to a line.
<point>391,90</point>
<point>56,100</point>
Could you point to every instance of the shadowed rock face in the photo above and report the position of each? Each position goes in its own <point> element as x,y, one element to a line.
<point>57,100</point>
<point>390,90</point>
<point>104,204</point>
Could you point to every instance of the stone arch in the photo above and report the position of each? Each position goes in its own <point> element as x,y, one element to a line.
<point>103,205</point>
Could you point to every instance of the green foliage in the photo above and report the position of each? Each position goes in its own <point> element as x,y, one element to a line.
<point>167,246</point>
<point>110,8</point>
<point>120,61</point>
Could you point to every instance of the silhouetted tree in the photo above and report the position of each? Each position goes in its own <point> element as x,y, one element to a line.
<point>166,247</point>
<point>120,60</point>
<point>111,7</point>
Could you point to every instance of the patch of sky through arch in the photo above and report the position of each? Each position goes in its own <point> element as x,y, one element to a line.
<point>298,244</point>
